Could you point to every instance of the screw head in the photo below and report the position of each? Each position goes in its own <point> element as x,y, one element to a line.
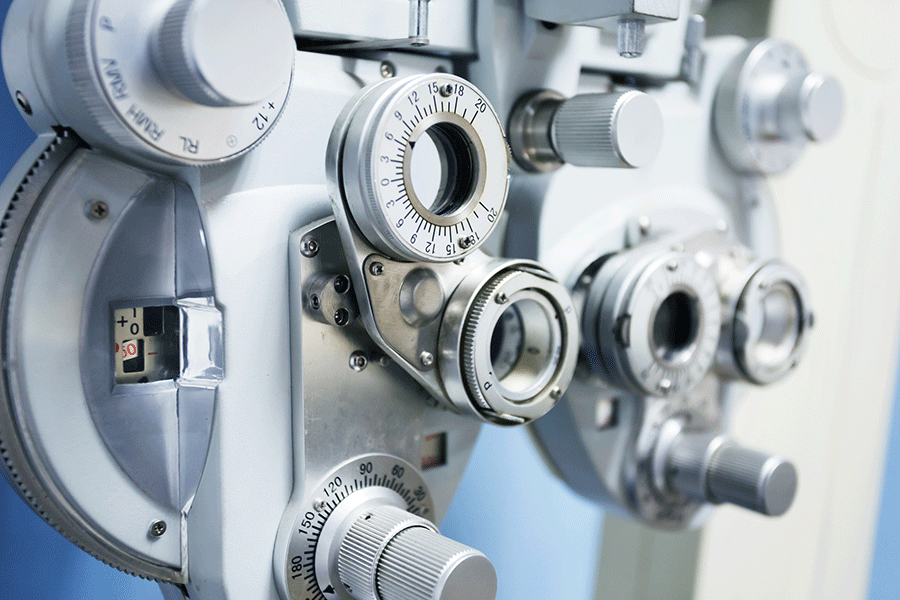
<point>672,265</point>
<point>157,528</point>
<point>376,269</point>
<point>314,302</point>
<point>341,284</point>
<point>23,103</point>
<point>446,90</point>
<point>341,317</point>
<point>556,393</point>
<point>501,298</point>
<point>98,210</point>
<point>426,358</point>
<point>467,242</point>
<point>644,224</point>
<point>387,69</point>
<point>359,361</point>
<point>309,247</point>
<point>318,505</point>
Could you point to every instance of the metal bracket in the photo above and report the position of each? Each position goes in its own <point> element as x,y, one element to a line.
<point>417,37</point>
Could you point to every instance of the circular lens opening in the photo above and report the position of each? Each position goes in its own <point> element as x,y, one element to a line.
<point>522,346</point>
<point>443,169</point>
<point>675,328</point>
<point>779,326</point>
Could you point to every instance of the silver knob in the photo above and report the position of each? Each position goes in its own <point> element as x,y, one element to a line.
<point>769,105</point>
<point>812,107</point>
<point>712,468</point>
<point>225,52</point>
<point>617,129</point>
<point>391,554</point>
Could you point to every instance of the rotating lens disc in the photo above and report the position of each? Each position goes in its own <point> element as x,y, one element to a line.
<point>381,178</point>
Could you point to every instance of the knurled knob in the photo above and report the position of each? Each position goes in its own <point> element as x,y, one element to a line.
<point>811,106</point>
<point>225,52</point>
<point>714,469</point>
<point>615,129</point>
<point>608,130</point>
<point>391,554</point>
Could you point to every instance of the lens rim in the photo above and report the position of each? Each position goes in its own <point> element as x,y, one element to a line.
<point>625,298</point>
<point>465,341</point>
<point>457,143</point>
<point>489,321</point>
<point>744,337</point>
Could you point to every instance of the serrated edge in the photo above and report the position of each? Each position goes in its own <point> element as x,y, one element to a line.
<point>17,469</point>
<point>470,331</point>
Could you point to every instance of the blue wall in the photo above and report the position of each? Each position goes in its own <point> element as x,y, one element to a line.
<point>542,538</point>
<point>885,578</point>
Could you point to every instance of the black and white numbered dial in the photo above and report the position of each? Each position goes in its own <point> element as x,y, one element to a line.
<point>329,510</point>
<point>423,165</point>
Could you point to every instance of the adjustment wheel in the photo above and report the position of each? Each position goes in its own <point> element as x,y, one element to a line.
<point>769,105</point>
<point>622,129</point>
<point>225,52</point>
<point>712,468</point>
<point>391,554</point>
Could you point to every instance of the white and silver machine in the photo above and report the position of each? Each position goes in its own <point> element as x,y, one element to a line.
<point>270,266</point>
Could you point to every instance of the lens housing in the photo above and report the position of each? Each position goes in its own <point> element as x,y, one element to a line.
<point>766,332</point>
<point>652,321</point>
<point>509,342</point>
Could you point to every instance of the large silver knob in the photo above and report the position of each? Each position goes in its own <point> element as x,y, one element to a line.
<point>225,52</point>
<point>810,106</point>
<point>390,554</point>
<point>617,129</point>
<point>195,82</point>
<point>712,468</point>
<point>769,105</point>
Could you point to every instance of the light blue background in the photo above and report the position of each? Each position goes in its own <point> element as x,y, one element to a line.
<point>885,579</point>
<point>542,539</point>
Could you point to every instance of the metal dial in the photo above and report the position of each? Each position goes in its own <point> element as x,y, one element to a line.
<point>652,322</point>
<point>769,106</point>
<point>389,554</point>
<point>116,55</point>
<point>211,53</point>
<point>118,342</point>
<point>376,169</point>
<point>365,481</point>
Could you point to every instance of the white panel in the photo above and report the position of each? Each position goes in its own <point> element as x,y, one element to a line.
<point>839,210</point>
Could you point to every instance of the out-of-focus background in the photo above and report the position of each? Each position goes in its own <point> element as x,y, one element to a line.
<point>837,417</point>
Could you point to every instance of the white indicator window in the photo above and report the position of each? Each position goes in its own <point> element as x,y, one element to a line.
<point>146,343</point>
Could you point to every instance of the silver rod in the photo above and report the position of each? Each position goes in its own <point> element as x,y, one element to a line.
<point>418,18</point>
